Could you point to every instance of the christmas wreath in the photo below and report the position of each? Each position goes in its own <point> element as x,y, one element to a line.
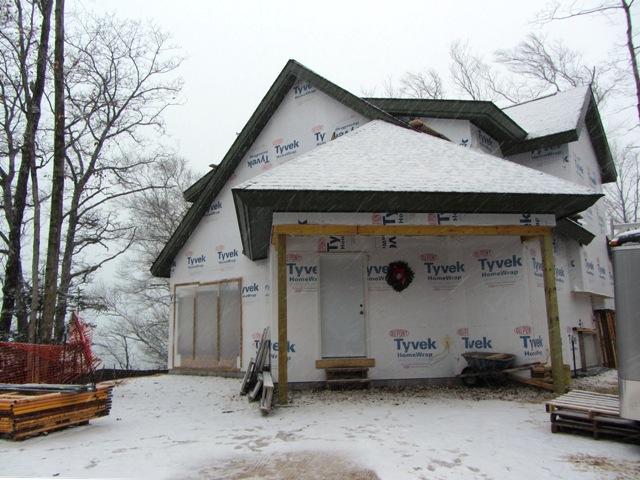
<point>399,275</point>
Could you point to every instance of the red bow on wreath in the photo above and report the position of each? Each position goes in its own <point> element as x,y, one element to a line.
<point>399,275</point>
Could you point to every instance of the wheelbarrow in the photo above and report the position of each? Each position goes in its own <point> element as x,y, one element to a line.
<point>487,365</point>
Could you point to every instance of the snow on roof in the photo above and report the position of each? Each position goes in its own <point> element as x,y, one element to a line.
<point>555,113</point>
<point>380,156</point>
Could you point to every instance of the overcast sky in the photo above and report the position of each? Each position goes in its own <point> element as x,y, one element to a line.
<point>237,48</point>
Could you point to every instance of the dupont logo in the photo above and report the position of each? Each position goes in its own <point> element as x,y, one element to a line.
<point>523,330</point>
<point>226,256</point>
<point>441,218</point>
<point>428,257</point>
<point>483,253</point>
<point>285,148</point>
<point>319,134</point>
<point>398,333</point>
<point>463,332</point>
<point>294,257</point>
<point>391,218</point>
<point>346,127</point>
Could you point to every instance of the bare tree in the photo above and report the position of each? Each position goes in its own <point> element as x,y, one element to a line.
<point>544,64</point>
<point>623,196</point>
<point>24,48</point>
<point>557,11</point>
<point>427,84</point>
<point>57,183</point>
<point>118,87</point>
<point>138,303</point>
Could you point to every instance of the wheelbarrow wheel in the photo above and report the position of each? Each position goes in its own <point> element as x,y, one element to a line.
<point>470,381</point>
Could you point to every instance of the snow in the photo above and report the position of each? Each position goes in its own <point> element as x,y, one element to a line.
<point>379,156</point>
<point>557,113</point>
<point>181,427</point>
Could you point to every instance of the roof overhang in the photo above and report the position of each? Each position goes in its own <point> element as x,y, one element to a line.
<point>484,115</point>
<point>255,208</point>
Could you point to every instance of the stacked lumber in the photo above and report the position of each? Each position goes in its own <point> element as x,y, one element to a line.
<point>258,382</point>
<point>24,413</point>
<point>595,413</point>
<point>606,323</point>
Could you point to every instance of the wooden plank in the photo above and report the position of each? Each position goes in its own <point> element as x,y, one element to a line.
<point>283,380</point>
<point>345,362</point>
<point>553,313</point>
<point>530,381</point>
<point>407,230</point>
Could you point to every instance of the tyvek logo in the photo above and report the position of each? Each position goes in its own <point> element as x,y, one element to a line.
<point>486,141</point>
<point>259,158</point>
<point>442,272</point>
<point>531,345</point>
<point>377,273</point>
<point>602,272</point>
<point>588,265</point>
<point>390,218</point>
<point>214,209</point>
<point>507,266</point>
<point>302,90</point>
<point>285,149</point>
<point>389,242</point>
<point>319,134</point>
<point>302,273</point>
<point>546,152</point>
<point>592,177</point>
<point>441,218</point>
<point>412,348</point>
<point>250,292</point>
<point>579,168</point>
<point>225,256</point>
<point>195,262</point>
<point>528,219</point>
<point>538,267</point>
<point>332,244</point>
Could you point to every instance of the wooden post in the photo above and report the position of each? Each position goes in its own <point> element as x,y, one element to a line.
<point>553,315</point>
<point>283,385</point>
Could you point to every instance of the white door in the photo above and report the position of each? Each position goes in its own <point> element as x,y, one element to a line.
<point>342,306</point>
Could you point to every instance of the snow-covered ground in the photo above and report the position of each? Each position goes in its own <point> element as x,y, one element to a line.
<point>181,427</point>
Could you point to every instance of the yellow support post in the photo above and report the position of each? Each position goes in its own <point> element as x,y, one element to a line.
<point>553,315</point>
<point>283,380</point>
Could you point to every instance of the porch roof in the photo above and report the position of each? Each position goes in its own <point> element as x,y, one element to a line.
<point>382,167</point>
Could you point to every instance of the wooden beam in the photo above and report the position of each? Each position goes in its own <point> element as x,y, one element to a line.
<point>409,230</point>
<point>553,315</point>
<point>283,378</point>
<point>346,362</point>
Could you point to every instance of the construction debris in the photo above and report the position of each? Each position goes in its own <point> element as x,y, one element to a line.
<point>258,382</point>
<point>25,412</point>
<point>595,413</point>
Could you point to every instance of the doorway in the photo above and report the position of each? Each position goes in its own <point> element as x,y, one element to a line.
<point>342,313</point>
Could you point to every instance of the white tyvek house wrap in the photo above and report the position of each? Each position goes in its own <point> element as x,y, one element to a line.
<point>469,293</point>
<point>305,119</point>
